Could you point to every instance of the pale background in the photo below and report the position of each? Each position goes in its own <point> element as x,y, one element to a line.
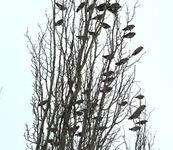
<point>154,24</point>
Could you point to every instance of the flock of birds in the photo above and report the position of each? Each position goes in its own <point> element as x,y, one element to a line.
<point>113,8</point>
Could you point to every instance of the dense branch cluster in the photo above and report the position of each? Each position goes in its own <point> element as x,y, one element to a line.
<point>83,78</point>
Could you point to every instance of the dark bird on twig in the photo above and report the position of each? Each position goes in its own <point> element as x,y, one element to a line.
<point>53,129</point>
<point>102,6</point>
<point>61,7</point>
<point>113,8</point>
<point>108,57</point>
<point>106,89</point>
<point>129,35</point>
<point>135,128</point>
<point>59,22</point>
<point>123,103</point>
<point>142,122</point>
<point>108,80</point>
<point>80,6</point>
<point>129,27</point>
<point>137,51</point>
<point>105,25</point>
<point>140,96</point>
<point>93,33</point>
<point>98,17</point>
<point>43,103</point>
<point>79,113</point>
<point>79,101</point>
<point>137,112</point>
<point>101,128</point>
<point>90,7</point>
<point>79,37</point>
<point>109,73</point>
<point>122,61</point>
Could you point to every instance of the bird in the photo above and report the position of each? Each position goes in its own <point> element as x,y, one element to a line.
<point>108,57</point>
<point>43,103</point>
<point>106,89</point>
<point>129,35</point>
<point>122,61</point>
<point>79,113</point>
<point>80,6</point>
<point>98,118</point>
<point>137,112</point>
<point>102,6</point>
<point>79,101</point>
<point>123,103</point>
<point>140,96</point>
<point>142,122</point>
<point>98,17</point>
<point>59,22</point>
<point>105,25</point>
<point>93,33</point>
<point>137,50</point>
<point>135,128</point>
<point>108,73</point>
<point>113,8</point>
<point>129,27</point>
<point>90,7</point>
<point>79,134</point>
<point>108,80</point>
<point>79,37</point>
<point>53,129</point>
<point>61,7</point>
<point>101,128</point>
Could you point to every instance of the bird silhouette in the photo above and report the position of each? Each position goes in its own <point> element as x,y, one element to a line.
<point>59,22</point>
<point>102,6</point>
<point>108,73</point>
<point>122,61</point>
<point>98,17</point>
<point>90,7</point>
<point>114,7</point>
<point>105,25</point>
<point>129,35</point>
<point>135,128</point>
<point>108,57</point>
<point>140,96</point>
<point>129,27</point>
<point>61,7</point>
<point>142,122</point>
<point>80,6</point>
<point>137,112</point>
<point>137,51</point>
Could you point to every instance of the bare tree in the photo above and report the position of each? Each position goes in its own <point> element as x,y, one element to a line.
<point>83,77</point>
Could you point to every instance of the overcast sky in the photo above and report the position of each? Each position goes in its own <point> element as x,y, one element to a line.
<point>154,32</point>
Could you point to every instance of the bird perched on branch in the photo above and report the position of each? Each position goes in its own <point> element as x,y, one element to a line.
<point>123,103</point>
<point>43,103</point>
<point>137,112</point>
<point>61,7</point>
<point>79,37</point>
<point>59,22</point>
<point>93,33</point>
<point>108,57</point>
<point>142,122</point>
<point>102,6</point>
<point>105,25</point>
<point>122,61</point>
<point>98,17</point>
<point>113,8</point>
<point>129,35</point>
<point>137,51</point>
<point>108,73</point>
<point>90,7</point>
<point>135,128</point>
<point>106,89</point>
<point>101,128</point>
<point>129,27</point>
<point>80,6</point>
<point>140,96</point>
<point>107,80</point>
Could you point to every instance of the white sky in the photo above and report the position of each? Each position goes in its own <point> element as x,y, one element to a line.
<point>154,32</point>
